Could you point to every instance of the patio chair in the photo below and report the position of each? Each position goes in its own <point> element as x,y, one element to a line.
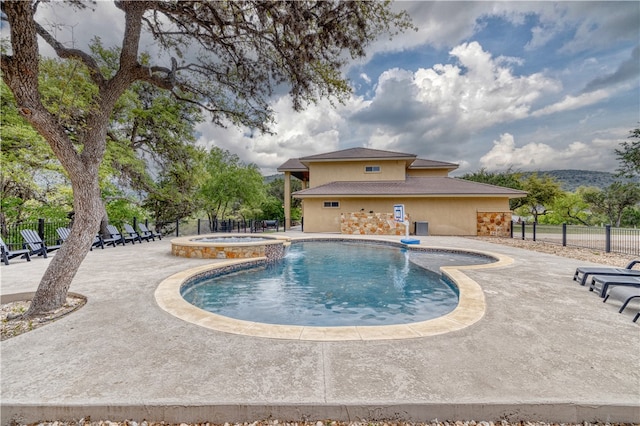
<point>147,233</point>
<point>64,233</point>
<point>118,237</point>
<point>603,282</point>
<point>623,293</point>
<point>10,254</point>
<point>128,229</point>
<point>35,244</point>
<point>586,271</point>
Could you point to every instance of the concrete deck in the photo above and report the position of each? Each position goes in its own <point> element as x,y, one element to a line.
<point>546,349</point>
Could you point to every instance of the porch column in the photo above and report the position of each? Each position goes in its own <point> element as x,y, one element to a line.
<point>287,200</point>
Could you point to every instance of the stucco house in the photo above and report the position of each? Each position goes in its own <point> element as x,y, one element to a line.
<point>354,191</point>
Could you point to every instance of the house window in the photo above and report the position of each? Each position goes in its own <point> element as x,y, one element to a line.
<point>332,204</point>
<point>372,169</point>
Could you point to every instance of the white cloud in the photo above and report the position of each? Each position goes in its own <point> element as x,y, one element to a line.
<point>450,101</point>
<point>598,155</point>
<point>570,102</point>
<point>314,131</point>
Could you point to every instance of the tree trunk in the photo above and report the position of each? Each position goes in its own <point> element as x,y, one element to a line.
<point>55,283</point>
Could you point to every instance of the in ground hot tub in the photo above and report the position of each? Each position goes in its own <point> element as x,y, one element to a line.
<point>236,246</point>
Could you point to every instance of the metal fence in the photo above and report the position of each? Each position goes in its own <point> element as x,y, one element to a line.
<point>602,238</point>
<point>204,226</point>
<point>48,229</point>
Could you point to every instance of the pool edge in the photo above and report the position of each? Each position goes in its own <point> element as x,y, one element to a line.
<point>470,309</point>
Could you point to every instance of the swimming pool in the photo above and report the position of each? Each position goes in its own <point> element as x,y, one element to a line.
<point>331,284</point>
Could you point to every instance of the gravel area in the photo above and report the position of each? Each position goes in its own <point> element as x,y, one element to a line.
<point>88,422</point>
<point>587,255</point>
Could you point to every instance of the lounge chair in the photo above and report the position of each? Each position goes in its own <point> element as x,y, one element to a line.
<point>35,244</point>
<point>64,233</point>
<point>118,237</point>
<point>623,293</point>
<point>603,282</point>
<point>586,271</point>
<point>146,233</point>
<point>10,254</point>
<point>128,229</point>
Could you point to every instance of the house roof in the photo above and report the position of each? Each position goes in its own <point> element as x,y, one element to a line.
<point>351,154</point>
<point>421,163</point>
<point>291,165</point>
<point>411,187</point>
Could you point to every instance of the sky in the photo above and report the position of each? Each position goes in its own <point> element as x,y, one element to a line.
<point>530,86</point>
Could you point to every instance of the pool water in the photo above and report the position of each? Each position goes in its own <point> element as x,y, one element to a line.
<point>331,284</point>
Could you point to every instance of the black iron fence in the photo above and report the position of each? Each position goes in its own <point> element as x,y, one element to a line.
<point>204,226</point>
<point>47,229</point>
<point>603,238</point>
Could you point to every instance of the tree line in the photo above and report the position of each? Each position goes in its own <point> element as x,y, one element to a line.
<point>547,203</point>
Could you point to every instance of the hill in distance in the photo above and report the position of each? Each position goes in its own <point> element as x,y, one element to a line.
<point>570,180</point>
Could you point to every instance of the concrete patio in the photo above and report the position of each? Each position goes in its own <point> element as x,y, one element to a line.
<point>546,349</point>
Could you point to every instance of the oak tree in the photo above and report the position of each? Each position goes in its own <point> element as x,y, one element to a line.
<point>226,57</point>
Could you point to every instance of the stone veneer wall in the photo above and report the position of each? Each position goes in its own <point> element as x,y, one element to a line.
<point>361,223</point>
<point>209,251</point>
<point>494,224</point>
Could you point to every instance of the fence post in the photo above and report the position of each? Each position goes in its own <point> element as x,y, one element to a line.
<point>41,229</point>
<point>511,230</point>
<point>534,230</point>
<point>135,222</point>
<point>177,227</point>
<point>523,224</point>
<point>607,243</point>
<point>564,235</point>
<point>198,226</point>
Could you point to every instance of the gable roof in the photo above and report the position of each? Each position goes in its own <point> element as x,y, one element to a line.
<point>352,154</point>
<point>411,187</point>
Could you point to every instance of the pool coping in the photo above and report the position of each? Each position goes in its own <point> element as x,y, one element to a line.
<point>470,309</point>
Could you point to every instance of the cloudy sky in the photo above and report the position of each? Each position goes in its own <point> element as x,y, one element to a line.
<point>527,85</point>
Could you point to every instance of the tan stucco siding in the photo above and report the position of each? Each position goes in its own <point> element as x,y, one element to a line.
<point>446,216</point>
<point>321,173</point>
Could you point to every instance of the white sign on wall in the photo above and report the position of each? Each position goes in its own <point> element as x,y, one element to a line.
<point>398,212</point>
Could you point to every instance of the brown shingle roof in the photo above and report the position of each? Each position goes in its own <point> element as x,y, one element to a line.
<point>421,163</point>
<point>358,153</point>
<point>412,187</point>
<point>292,164</point>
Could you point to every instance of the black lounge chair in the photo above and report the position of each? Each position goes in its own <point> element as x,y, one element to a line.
<point>623,293</point>
<point>146,233</point>
<point>35,244</point>
<point>10,254</point>
<point>128,229</point>
<point>603,282</point>
<point>64,233</point>
<point>586,271</point>
<point>117,236</point>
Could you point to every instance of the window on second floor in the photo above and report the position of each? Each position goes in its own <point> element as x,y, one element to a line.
<point>372,169</point>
